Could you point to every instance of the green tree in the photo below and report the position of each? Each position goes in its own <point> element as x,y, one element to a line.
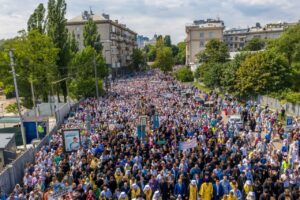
<point>35,58</point>
<point>184,74</point>
<point>12,108</point>
<point>164,59</point>
<point>37,19</point>
<point>213,75</point>
<point>167,41</point>
<point>83,81</point>
<point>175,50</point>
<point>215,51</point>
<point>91,36</point>
<point>138,60</point>
<point>74,46</point>
<point>57,31</point>
<point>255,44</point>
<point>229,77</point>
<point>150,52</point>
<point>262,73</point>
<point>180,57</point>
<point>288,44</point>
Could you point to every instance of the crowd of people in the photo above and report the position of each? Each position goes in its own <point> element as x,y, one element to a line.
<point>113,161</point>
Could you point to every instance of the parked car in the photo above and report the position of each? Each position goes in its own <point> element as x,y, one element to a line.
<point>199,100</point>
<point>236,120</point>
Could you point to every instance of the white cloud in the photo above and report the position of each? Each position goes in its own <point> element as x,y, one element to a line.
<point>159,16</point>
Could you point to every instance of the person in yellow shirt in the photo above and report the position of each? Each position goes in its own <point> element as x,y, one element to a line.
<point>193,190</point>
<point>206,190</point>
<point>148,192</point>
<point>231,196</point>
<point>118,175</point>
<point>94,163</point>
<point>135,191</point>
<point>248,187</point>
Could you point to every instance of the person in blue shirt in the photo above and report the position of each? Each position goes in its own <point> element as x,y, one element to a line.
<point>218,190</point>
<point>225,184</point>
<point>3,196</point>
<point>195,170</point>
<point>237,193</point>
<point>180,189</point>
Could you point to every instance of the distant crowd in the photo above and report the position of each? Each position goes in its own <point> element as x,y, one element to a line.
<point>190,148</point>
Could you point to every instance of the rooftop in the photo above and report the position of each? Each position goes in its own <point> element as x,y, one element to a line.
<point>85,17</point>
<point>206,23</point>
<point>5,138</point>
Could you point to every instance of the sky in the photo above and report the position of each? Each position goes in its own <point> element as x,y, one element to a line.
<point>165,17</point>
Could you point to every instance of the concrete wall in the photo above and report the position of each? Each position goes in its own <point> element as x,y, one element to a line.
<point>291,109</point>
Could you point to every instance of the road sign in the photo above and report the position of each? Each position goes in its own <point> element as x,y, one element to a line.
<point>289,122</point>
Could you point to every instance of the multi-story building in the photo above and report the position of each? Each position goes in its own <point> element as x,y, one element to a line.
<point>152,41</point>
<point>141,41</point>
<point>117,40</point>
<point>237,38</point>
<point>198,34</point>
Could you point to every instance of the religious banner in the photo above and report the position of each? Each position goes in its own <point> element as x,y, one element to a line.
<point>143,120</point>
<point>61,192</point>
<point>71,139</point>
<point>188,144</point>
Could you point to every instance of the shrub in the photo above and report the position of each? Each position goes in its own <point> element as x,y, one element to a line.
<point>184,74</point>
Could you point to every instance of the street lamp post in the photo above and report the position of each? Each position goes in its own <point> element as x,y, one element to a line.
<point>12,64</point>
<point>96,76</point>
<point>35,109</point>
<point>57,107</point>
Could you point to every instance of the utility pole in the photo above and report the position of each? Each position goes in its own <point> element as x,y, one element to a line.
<point>35,111</point>
<point>96,76</point>
<point>12,64</point>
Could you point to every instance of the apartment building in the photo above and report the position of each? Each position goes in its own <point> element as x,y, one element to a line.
<point>117,40</point>
<point>236,38</point>
<point>198,34</point>
<point>141,41</point>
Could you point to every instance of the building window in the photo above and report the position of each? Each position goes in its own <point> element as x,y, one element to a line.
<point>236,38</point>
<point>201,34</point>
<point>78,36</point>
<point>231,38</point>
<point>211,34</point>
<point>77,29</point>
<point>202,43</point>
<point>241,39</point>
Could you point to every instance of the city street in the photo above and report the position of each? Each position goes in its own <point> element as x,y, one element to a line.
<point>122,157</point>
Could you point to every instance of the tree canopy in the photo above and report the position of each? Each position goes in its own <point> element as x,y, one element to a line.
<point>138,60</point>
<point>184,74</point>
<point>215,51</point>
<point>91,36</point>
<point>83,80</point>
<point>164,59</point>
<point>37,19</point>
<point>35,58</point>
<point>255,44</point>
<point>57,31</point>
<point>262,73</point>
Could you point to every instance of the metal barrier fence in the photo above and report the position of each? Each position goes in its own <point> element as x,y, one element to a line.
<point>14,172</point>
